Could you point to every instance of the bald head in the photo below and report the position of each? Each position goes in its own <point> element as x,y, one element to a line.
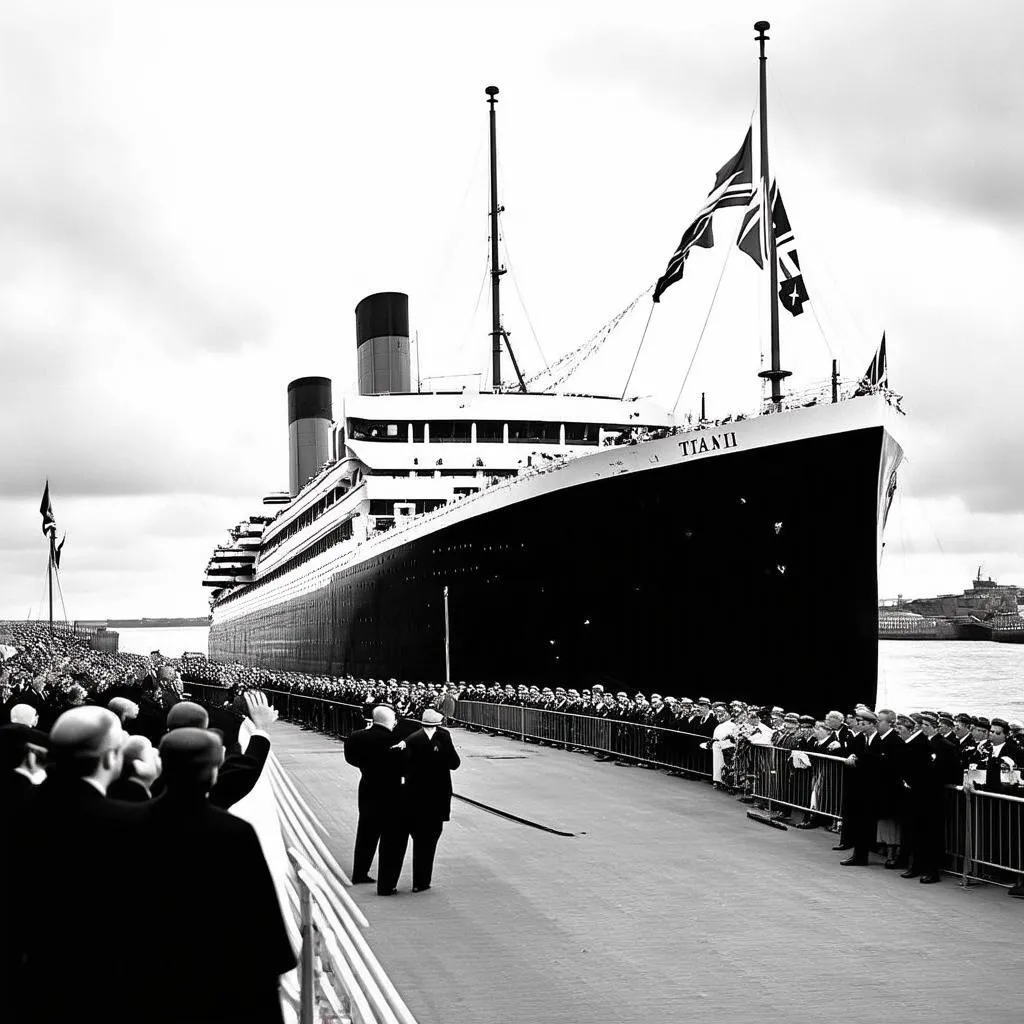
<point>86,743</point>
<point>24,714</point>
<point>123,708</point>
<point>384,716</point>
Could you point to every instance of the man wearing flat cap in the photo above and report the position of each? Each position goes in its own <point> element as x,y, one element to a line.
<point>430,758</point>
<point>862,781</point>
<point>191,952</point>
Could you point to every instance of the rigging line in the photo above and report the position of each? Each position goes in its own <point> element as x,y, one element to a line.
<point>622,397</point>
<point>60,592</point>
<point>503,233</point>
<point>686,377</point>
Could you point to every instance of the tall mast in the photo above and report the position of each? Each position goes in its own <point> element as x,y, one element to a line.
<point>776,374</point>
<point>496,271</point>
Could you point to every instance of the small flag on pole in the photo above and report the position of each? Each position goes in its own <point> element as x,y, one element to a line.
<point>732,188</point>
<point>877,373</point>
<point>792,291</point>
<point>46,510</point>
<point>56,551</point>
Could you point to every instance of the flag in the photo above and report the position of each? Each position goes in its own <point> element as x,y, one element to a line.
<point>46,510</point>
<point>56,551</point>
<point>792,291</point>
<point>751,236</point>
<point>877,373</point>
<point>732,188</point>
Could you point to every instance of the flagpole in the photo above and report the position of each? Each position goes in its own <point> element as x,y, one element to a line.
<point>447,646</point>
<point>776,375</point>
<point>49,576</point>
<point>496,271</point>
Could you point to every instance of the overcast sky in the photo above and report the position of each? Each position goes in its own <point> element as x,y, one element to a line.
<point>194,197</point>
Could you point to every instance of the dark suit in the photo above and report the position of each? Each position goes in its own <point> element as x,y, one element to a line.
<point>83,850</point>
<point>128,790</point>
<point>429,763</point>
<point>935,768</point>
<point>864,780</point>
<point>200,968</point>
<point>239,773</point>
<point>373,752</point>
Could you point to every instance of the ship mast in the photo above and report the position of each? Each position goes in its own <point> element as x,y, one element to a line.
<point>497,331</point>
<point>776,374</point>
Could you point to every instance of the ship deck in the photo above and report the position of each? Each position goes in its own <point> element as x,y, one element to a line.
<point>666,901</point>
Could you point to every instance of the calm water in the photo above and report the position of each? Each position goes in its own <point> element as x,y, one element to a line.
<point>979,678</point>
<point>169,641</point>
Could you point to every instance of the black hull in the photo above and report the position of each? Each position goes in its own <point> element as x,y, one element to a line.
<point>752,575</point>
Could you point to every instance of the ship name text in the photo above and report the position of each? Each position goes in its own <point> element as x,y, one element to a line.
<point>709,443</point>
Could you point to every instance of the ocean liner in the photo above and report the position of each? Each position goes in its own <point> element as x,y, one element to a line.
<point>532,535</point>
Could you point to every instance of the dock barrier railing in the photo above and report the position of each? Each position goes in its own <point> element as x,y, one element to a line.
<point>339,979</point>
<point>984,830</point>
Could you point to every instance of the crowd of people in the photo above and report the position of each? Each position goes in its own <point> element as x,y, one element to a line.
<point>119,858</point>
<point>892,767</point>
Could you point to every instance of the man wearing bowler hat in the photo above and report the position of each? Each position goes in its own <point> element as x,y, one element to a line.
<point>430,758</point>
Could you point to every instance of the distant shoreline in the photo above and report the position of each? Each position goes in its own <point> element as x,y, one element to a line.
<point>157,623</point>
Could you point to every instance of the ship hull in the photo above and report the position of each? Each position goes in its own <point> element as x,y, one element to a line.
<point>751,576</point>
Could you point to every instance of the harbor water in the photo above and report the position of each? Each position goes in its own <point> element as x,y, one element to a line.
<point>978,678</point>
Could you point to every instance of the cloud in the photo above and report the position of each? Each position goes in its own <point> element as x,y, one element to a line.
<point>919,100</point>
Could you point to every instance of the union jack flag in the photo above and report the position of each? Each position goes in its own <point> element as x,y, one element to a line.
<point>733,187</point>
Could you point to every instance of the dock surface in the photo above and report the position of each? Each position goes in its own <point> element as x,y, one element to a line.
<point>665,903</point>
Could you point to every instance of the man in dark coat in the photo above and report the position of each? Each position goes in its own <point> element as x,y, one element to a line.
<point>240,772</point>
<point>863,781</point>
<point>374,753</point>
<point>930,775</point>
<point>85,848</point>
<point>195,961</point>
<point>430,759</point>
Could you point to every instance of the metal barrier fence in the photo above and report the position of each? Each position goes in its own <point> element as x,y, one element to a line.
<point>631,742</point>
<point>984,831</point>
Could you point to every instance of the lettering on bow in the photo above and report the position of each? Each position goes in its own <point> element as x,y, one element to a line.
<point>709,443</point>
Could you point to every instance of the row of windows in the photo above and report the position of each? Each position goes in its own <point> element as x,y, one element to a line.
<point>338,535</point>
<point>487,431</point>
<point>311,515</point>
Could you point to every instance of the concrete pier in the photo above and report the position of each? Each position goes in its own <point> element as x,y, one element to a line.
<point>665,903</point>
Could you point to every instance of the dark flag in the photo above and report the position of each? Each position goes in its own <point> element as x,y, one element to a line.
<point>46,510</point>
<point>792,292</point>
<point>877,373</point>
<point>732,188</point>
<point>751,236</point>
<point>56,551</point>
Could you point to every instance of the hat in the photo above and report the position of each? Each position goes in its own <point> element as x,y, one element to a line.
<point>622,695</point>
<point>187,714</point>
<point>963,718</point>
<point>904,720</point>
<point>778,711</point>
<point>431,717</point>
<point>945,717</point>
<point>807,720</point>
<point>1002,722</point>
<point>704,700</point>
<point>867,714</point>
<point>793,717</point>
<point>982,722</point>
<point>655,696</point>
<point>915,717</point>
<point>930,717</point>
<point>187,752</point>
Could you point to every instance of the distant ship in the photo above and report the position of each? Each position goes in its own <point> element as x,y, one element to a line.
<point>987,611</point>
<point>543,536</point>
